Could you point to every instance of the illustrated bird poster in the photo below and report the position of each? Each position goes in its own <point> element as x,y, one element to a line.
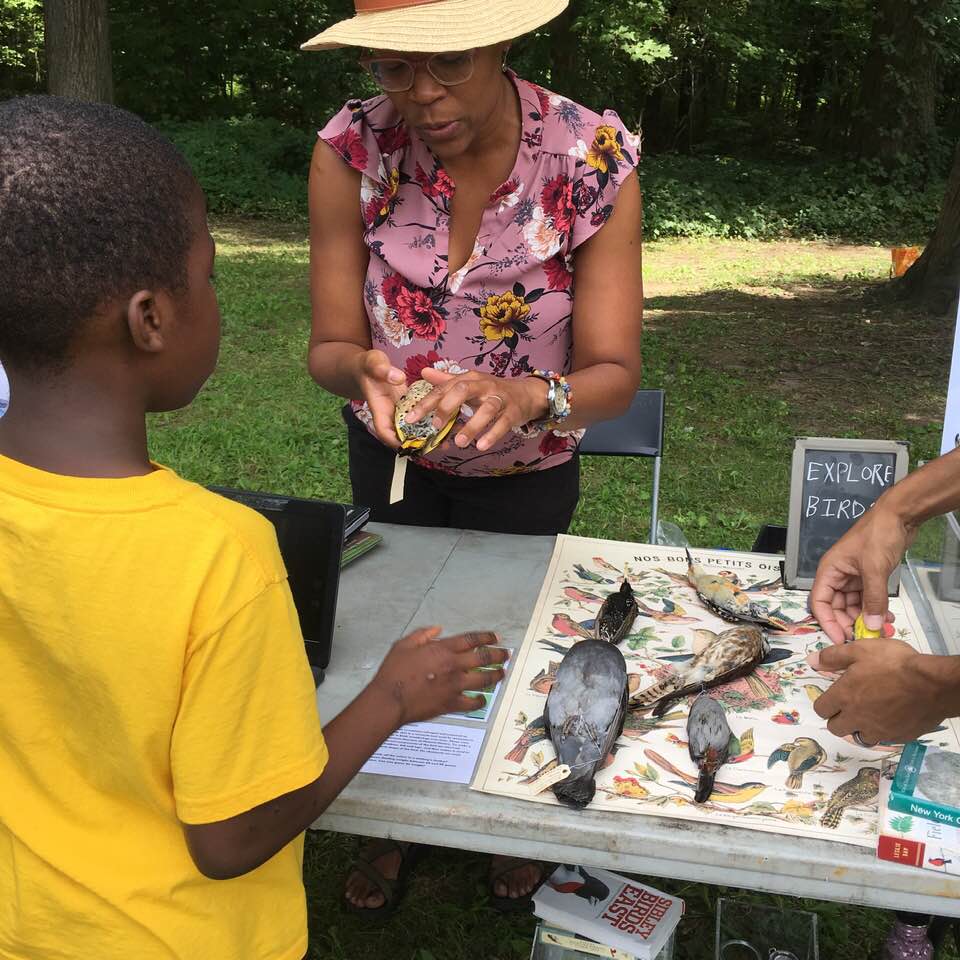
<point>784,772</point>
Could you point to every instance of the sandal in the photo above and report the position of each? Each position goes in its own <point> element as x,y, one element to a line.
<point>510,904</point>
<point>392,890</point>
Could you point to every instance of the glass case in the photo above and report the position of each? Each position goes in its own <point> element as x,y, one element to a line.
<point>749,931</point>
<point>933,583</point>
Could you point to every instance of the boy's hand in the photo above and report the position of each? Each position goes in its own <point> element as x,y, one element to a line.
<point>422,676</point>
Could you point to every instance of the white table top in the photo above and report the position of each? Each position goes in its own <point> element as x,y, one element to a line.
<point>463,580</point>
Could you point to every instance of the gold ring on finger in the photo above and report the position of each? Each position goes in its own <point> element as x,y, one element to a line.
<point>498,398</point>
<point>483,655</point>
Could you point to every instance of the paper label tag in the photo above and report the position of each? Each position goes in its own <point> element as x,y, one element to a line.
<point>399,474</point>
<point>549,779</point>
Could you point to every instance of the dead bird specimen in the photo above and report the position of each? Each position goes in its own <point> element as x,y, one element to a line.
<point>422,436</point>
<point>728,656</point>
<point>708,740</point>
<point>726,598</point>
<point>617,614</point>
<point>584,715</point>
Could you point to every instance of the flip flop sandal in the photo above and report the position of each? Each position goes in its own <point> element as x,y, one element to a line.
<point>510,904</point>
<point>392,890</point>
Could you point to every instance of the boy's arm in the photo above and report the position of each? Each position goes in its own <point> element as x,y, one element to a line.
<point>420,678</point>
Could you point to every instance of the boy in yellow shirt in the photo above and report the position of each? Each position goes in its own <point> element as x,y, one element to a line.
<point>160,751</point>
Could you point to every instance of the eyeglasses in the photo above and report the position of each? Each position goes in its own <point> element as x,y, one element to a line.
<point>396,75</point>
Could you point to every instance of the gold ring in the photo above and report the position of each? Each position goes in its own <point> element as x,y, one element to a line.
<point>496,396</point>
<point>861,742</point>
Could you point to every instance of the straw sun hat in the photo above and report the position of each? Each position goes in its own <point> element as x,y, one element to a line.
<point>435,26</point>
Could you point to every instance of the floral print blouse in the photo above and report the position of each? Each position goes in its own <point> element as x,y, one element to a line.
<point>508,310</point>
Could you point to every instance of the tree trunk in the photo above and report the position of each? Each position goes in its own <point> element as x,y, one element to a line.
<point>809,81</point>
<point>749,98</point>
<point>898,89</point>
<point>77,43</point>
<point>564,55</point>
<point>934,279</point>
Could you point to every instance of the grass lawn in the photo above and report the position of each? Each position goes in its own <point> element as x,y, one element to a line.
<point>754,343</point>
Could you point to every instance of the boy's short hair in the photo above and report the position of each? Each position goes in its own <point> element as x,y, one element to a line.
<point>94,205</point>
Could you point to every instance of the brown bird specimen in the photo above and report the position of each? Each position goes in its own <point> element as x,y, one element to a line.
<point>729,655</point>
<point>858,792</point>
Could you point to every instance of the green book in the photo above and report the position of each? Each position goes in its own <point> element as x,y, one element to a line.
<point>927,784</point>
<point>358,544</point>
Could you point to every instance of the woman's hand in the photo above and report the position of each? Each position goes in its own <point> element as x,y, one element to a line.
<point>423,677</point>
<point>852,575</point>
<point>498,404</point>
<point>382,386</point>
<point>886,691</point>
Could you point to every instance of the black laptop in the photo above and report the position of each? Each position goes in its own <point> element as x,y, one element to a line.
<point>310,534</point>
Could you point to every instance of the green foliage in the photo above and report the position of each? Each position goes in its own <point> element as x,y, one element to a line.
<point>754,200</point>
<point>192,60</point>
<point>248,166</point>
<point>728,77</point>
<point>21,46</point>
<point>902,824</point>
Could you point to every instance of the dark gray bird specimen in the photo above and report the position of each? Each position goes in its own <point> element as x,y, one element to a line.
<point>708,740</point>
<point>584,715</point>
<point>616,615</point>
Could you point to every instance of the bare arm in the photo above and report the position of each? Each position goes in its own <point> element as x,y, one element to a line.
<point>340,358</point>
<point>340,332</point>
<point>608,313</point>
<point>401,692</point>
<point>932,490</point>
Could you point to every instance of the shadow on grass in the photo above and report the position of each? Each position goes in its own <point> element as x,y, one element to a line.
<point>841,354</point>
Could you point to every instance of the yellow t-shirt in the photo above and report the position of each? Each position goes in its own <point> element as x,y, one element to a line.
<point>152,671</point>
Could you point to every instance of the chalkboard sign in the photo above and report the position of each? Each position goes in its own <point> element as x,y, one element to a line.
<point>834,483</point>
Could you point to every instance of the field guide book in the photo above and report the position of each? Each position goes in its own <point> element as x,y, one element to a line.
<point>610,909</point>
<point>927,784</point>
<point>915,841</point>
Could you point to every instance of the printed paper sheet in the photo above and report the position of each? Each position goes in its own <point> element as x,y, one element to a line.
<point>786,772</point>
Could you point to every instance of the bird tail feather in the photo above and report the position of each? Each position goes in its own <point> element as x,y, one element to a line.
<point>575,793</point>
<point>704,786</point>
<point>657,691</point>
<point>794,781</point>
<point>517,754</point>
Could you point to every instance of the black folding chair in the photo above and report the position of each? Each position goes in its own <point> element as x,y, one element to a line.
<point>636,433</point>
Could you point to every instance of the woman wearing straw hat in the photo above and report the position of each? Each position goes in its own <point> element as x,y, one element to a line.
<point>473,230</point>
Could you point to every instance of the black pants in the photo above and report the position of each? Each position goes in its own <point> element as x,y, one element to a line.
<point>541,502</point>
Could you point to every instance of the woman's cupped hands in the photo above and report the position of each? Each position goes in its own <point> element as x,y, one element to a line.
<point>495,404</point>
